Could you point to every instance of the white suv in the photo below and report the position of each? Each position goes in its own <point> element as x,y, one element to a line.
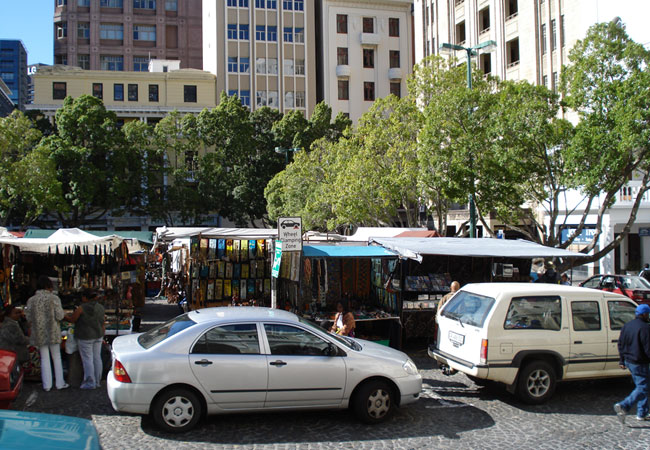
<point>529,336</point>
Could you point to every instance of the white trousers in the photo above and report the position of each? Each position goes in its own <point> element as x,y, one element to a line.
<point>46,369</point>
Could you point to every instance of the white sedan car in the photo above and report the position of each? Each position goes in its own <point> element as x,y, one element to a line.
<point>220,360</point>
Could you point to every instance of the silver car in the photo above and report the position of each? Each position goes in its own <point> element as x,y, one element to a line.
<point>220,360</point>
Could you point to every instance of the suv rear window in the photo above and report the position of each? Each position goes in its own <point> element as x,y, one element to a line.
<point>167,329</point>
<point>536,312</point>
<point>468,308</point>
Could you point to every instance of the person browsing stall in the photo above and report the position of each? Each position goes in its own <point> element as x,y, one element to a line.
<point>344,323</point>
<point>12,337</point>
<point>455,285</point>
<point>89,332</point>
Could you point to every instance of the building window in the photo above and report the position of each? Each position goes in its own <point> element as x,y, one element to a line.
<point>545,80</point>
<point>232,31</point>
<point>486,63</point>
<point>232,64</point>
<point>144,4</point>
<point>260,33</point>
<point>543,39</point>
<point>368,58</point>
<point>553,35</point>
<point>133,92</point>
<point>368,25</point>
<point>394,58</point>
<point>393,27</point>
<point>171,5</point>
<point>243,31</point>
<point>144,33</point>
<point>83,30</point>
<point>61,59</point>
<point>512,8</point>
<point>118,92</point>
<point>260,99</point>
<point>484,20</point>
<point>288,99</point>
<point>260,4</point>
<point>300,66</point>
<point>83,3</point>
<point>272,33</point>
<point>344,90</point>
<point>299,5</point>
<point>244,64</point>
<point>342,23</point>
<point>111,63</point>
<point>396,89</point>
<point>83,61</point>
<point>512,50</point>
<point>299,35</point>
<point>231,3</point>
<point>114,31</point>
<point>243,3</point>
<point>272,66</point>
<point>61,30</point>
<point>556,82</point>
<point>153,92</point>
<point>59,90</point>
<point>273,101</point>
<point>300,99</point>
<point>288,34</point>
<point>562,30</point>
<point>245,97</point>
<point>260,65</point>
<point>189,94</point>
<point>342,56</point>
<point>460,33</point>
<point>271,4</point>
<point>98,90</point>
<point>140,64</point>
<point>61,2</point>
<point>287,5</point>
<point>369,91</point>
<point>288,67</point>
<point>110,3</point>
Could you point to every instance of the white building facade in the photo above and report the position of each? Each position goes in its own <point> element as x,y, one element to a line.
<point>533,40</point>
<point>366,52</point>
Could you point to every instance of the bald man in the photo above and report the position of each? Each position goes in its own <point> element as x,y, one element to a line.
<point>455,285</point>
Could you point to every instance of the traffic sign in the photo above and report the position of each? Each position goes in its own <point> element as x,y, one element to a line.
<point>290,233</point>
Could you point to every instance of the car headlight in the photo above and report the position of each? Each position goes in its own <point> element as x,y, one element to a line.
<point>410,367</point>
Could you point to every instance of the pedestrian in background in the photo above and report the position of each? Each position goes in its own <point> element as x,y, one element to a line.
<point>89,333</point>
<point>564,280</point>
<point>455,285</point>
<point>645,272</point>
<point>634,354</point>
<point>44,314</point>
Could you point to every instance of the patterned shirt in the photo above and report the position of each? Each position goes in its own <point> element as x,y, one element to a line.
<point>44,314</point>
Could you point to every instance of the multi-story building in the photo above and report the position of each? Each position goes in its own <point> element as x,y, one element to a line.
<point>31,70</point>
<point>13,70</point>
<point>365,52</point>
<point>533,39</point>
<point>124,35</point>
<point>6,105</point>
<point>264,51</point>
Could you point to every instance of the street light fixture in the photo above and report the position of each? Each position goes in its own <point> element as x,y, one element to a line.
<point>286,151</point>
<point>448,48</point>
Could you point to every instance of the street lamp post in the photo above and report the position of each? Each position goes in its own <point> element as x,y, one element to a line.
<point>486,46</point>
<point>286,152</point>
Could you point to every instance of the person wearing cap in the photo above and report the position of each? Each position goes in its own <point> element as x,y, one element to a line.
<point>634,354</point>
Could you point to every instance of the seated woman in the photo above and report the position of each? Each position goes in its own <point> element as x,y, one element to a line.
<point>12,337</point>
<point>344,321</point>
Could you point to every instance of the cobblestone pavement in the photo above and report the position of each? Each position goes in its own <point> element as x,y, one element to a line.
<point>453,412</point>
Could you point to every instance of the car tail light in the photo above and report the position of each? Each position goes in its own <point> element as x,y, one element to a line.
<point>484,348</point>
<point>637,296</point>
<point>119,372</point>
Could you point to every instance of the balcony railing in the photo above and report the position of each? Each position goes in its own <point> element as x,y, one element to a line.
<point>626,196</point>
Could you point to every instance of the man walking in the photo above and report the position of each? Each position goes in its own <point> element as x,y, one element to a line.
<point>634,354</point>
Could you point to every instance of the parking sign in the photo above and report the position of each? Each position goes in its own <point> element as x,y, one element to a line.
<point>290,233</point>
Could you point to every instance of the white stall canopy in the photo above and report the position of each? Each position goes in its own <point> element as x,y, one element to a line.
<point>66,240</point>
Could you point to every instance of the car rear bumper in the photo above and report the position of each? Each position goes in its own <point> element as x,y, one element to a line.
<point>131,397</point>
<point>458,364</point>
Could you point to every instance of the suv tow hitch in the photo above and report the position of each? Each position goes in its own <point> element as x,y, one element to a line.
<point>446,370</point>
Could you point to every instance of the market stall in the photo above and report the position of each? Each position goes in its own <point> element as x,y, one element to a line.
<point>429,265</point>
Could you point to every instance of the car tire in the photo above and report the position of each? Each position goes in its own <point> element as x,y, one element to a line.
<point>536,382</point>
<point>177,410</point>
<point>374,402</point>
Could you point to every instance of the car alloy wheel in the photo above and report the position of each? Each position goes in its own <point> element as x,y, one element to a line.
<point>373,402</point>
<point>536,382</point>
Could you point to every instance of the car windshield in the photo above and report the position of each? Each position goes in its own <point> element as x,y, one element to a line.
<point>468,308</point>
<point>167,329</point>
<point>347,342</point>
<point>635,283</point>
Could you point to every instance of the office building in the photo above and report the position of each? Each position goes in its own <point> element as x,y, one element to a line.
<point>124,35</point>
<point>365,53</point>
<point>13,70</point>
<point>264,51</point>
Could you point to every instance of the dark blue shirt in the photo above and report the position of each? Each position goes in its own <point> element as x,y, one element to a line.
<point>634,342</point>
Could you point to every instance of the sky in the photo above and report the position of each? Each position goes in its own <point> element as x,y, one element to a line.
<point>31,22</point>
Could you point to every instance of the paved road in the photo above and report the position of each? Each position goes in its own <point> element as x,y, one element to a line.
<point>453,412</point>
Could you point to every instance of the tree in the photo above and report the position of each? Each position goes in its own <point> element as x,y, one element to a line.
<point>28,184</point>
<point>97,172</point>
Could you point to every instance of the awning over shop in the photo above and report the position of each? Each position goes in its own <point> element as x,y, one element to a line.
<point>346,251</point>
<point>64,240</point>
<point>416,248</point>
<point>168,234</point>
<point>146,237</point>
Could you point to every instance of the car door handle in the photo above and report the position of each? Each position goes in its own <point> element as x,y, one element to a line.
<point>203,362</point>
<point>614,340</point>
<point>577,342</point>
<point>278,363</point>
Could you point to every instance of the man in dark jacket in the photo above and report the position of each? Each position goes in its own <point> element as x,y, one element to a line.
<point>634,354</point>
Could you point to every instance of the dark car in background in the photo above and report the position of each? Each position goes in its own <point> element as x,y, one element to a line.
<point>632,286</point>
